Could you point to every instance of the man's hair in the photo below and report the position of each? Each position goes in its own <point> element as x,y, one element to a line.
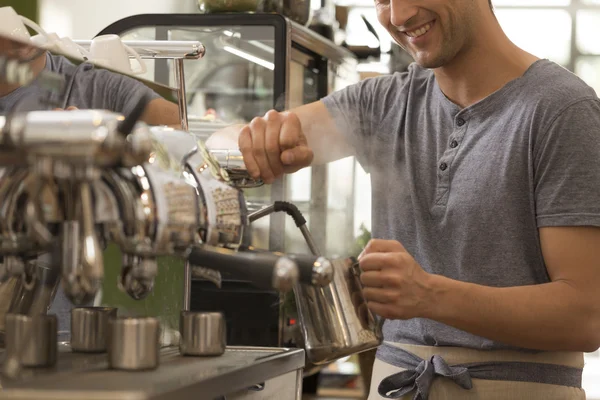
<point>491,5</point>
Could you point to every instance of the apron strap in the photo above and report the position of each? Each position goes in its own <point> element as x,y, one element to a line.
<point>419,374</point>
<point>421,377</point>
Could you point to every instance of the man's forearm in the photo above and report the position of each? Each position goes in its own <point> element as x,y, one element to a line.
<point>554,316</point>
<point>324,138</point>
<point>162,112</point>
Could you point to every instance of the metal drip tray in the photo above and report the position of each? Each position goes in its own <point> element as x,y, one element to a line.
<point>79,376</point>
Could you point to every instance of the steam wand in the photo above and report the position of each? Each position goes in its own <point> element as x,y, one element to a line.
<point>296,215</point>
<point>265,269</point>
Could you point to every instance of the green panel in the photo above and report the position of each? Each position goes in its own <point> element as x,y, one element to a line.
<point>166,300</point>
<point>26,8</point>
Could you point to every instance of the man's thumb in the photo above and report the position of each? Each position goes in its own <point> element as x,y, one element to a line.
<point>299,156</point>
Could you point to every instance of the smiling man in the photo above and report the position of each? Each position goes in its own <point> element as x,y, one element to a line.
<point>485,168</point>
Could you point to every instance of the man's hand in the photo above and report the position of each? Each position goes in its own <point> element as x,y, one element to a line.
<point>274,145</point>
<point>537,317</point>
<point>395,286</point>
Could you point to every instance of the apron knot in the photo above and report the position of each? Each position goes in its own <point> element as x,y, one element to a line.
<point>421,376</point>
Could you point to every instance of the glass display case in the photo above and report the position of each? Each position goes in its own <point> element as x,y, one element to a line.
<point>254,63</point>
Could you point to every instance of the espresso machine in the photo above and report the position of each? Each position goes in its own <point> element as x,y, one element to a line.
<point>73,183</point>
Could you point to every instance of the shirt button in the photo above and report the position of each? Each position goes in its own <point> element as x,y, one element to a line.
<point>453,144</point>
<point>443,166</point>
<point>460,122</point>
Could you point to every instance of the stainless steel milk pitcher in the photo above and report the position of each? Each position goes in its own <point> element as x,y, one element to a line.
<point>334,320</point>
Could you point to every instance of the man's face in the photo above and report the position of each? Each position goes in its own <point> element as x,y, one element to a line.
<point>433,32</point>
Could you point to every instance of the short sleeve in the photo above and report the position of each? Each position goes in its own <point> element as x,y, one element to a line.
<point>102,89</point>
<point>567,168</point>
<point>121,92</point>
<point>358,110</point>
<point>348,108</point>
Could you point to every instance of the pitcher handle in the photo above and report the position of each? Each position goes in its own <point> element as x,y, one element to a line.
<point>356,271</point>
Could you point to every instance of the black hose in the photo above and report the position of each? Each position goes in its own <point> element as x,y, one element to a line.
<point>291,210</point>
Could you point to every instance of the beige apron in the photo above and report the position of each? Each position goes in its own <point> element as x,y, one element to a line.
<point>445,389</point>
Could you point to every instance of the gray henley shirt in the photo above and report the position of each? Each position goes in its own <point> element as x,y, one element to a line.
<point>86,88</point>
<point>466,190</point>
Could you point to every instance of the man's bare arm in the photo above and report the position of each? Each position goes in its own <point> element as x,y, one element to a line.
<point>561,315</point>
<point>162,112</point>
<point>324,138</point>
<point>284,142</point>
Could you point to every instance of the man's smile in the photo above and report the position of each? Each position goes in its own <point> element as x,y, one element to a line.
<point>420,30</point>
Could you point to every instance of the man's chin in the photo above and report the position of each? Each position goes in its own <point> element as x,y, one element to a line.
<point>429,62</point>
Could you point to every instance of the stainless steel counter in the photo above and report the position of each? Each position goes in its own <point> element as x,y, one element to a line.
<point>81,376</point>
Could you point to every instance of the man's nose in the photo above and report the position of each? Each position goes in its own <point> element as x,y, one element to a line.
<point>401,11</point>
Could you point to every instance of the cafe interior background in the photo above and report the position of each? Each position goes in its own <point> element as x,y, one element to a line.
<point>564,31</point>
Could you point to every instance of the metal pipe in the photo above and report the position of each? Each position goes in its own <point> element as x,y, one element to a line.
<point>229,159</point>
<point>263,212</point>
<point>184,49</point>
<point>187,286</point>
<point>45,129</point>
<point>91,259</point>
<point>310,241</point>
<point>181,93</point>
<point>299,381</point>
<point>312,245</point>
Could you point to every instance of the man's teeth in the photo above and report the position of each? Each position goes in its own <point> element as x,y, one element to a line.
<point>419,32</point>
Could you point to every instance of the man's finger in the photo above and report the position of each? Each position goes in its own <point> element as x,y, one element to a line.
<point>296,158</point>
<point>291,132</point>
<point>245,145</point>
<point>272,149</point>
<point>382,310</point>
<point>258,127</point>
<point>382,296</point>
<point>383,246</point>
<point>377,261</point>
<point>372,278</point>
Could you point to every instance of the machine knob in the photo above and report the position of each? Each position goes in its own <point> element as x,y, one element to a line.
<point>322,273</point>
<point>137,276</point>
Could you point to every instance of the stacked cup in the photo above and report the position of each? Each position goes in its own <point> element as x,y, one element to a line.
<point>107,51</point>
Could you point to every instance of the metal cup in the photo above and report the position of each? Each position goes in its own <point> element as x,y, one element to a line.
<point>89,328</point>
<point>32,339</point>
<point>202,334</point>
<point>134,343</point>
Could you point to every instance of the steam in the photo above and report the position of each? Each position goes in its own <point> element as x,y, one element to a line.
<point>345,194</point>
